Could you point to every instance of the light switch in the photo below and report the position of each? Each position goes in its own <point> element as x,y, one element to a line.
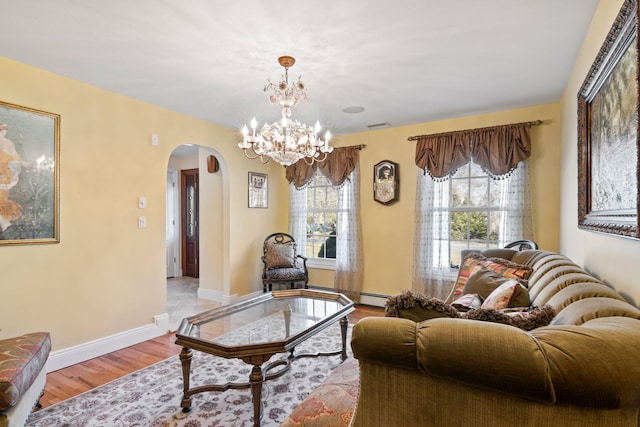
<point>142,202</point>
<point>154,139</point>
<point>142,222</point>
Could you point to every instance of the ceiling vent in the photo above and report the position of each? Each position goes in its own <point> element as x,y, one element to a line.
<point>379,125</point>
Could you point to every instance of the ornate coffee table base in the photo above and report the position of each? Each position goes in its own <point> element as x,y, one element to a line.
<point>257,377</point>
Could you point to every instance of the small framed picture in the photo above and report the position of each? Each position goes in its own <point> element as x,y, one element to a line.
<point>385,182</point>
<point>258,190</point>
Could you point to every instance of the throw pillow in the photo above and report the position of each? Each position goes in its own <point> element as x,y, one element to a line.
<point>501,266</point>
<point>418,307</point>
<point>467,302</point>
<point>280,255</point>
<point>527,319</point>
<point>484,281</point>
<point>508,268</point>
<point>510,294</point>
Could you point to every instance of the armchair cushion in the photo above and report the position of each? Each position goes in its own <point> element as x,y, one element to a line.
<point>285,274</point>
<point>280,255</point>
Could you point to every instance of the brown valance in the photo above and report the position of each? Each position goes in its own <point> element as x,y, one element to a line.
<point>336,167</point>
<point>497,149</point>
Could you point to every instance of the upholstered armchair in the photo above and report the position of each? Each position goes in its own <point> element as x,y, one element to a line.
<point>282,263</point>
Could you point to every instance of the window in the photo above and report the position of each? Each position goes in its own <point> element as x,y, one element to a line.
<point>322,217</point>
<point>474,211</point>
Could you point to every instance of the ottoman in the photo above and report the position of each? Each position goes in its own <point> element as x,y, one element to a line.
<point>331,404</point>
<point>22,377</point>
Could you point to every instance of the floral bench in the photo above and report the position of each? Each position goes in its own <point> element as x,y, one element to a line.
<point>332,403</point>
<point>22,377</point>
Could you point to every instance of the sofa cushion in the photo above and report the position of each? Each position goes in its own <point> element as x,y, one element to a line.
<point>592,308</point>
<point>578,291</point>
<point>509,294</point>
<point>526,319</point>
<point>417,307</point>
<point>21,360</point>
<point>501,266</point>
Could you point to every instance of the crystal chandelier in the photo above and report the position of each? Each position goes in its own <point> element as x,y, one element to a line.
<point>285,141</point>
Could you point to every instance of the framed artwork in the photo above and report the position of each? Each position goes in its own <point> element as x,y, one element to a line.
<point>608,133</point>
<point>258,190</point>
<point>29,175</point>
<point>385,182</point>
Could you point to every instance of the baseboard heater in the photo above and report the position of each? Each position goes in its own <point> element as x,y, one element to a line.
<point>366,298</point>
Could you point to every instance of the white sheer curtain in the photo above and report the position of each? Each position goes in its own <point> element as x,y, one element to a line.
<point>348,273</point>
<point>431,263</point>
<point>516,222</point>
<point>298,218</point>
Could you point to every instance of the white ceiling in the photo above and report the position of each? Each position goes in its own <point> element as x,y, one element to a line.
<point>404,61</point>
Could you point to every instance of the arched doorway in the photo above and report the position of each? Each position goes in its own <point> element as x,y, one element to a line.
<point>189,293</point>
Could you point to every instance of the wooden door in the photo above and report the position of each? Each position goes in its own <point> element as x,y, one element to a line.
<point>190,222</point>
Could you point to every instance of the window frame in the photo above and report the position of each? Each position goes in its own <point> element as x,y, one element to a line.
<point>487,209</point>
<point>312,260</point>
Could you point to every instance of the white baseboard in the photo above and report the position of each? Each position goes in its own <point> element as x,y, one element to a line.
<point>375,300</point>
<point>217,296</point>
<point>70,356</point>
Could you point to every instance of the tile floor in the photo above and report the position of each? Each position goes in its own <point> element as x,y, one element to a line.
<point>182,300</point>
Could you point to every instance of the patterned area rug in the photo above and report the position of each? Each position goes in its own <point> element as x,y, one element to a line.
<point>151,396</point>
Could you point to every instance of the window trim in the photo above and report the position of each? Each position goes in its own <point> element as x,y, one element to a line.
<point>488,209</point>
<point>321,263</point>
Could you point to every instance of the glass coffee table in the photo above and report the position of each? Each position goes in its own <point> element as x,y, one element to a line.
<point>255,329</point>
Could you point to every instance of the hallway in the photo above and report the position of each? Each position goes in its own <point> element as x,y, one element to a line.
<point>182,300</point>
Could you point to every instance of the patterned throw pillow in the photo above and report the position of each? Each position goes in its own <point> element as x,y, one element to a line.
<point>280,255</point>
<point>501,266</point>
<point>503,295</point>
<point>484,281</point>
<point>529,319</point>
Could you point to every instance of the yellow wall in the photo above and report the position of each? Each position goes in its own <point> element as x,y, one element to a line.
<point>388,230</point>
<point>610,257</point>
<point>107,276</point>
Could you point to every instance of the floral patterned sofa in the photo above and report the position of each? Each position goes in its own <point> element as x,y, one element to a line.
<point>22,376</point>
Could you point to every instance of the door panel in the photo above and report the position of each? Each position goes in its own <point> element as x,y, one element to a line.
<point>190,231</point>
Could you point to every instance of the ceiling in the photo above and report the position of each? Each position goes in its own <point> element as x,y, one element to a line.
<point>403,61</point>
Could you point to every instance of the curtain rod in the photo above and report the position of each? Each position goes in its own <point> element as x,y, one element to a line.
<point>533,123</point>
<point>357,147</point>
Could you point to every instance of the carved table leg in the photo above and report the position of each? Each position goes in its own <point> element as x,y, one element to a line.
<point>256,379</point>
<point>344,323</point>
<point>185,359</point>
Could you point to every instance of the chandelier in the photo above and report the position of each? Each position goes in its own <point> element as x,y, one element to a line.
<point>285,141</point>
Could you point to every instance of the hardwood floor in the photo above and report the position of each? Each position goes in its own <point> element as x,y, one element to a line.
<point>76,379</point>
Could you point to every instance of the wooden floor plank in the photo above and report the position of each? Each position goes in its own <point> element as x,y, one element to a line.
<point>76,379</point>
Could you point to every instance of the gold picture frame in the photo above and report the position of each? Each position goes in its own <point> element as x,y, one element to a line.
<point>386,182</point>
<point>608,133</point>
<point>29,175</point>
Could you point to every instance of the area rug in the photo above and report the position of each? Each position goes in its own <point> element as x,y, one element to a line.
<point>151,396</point>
